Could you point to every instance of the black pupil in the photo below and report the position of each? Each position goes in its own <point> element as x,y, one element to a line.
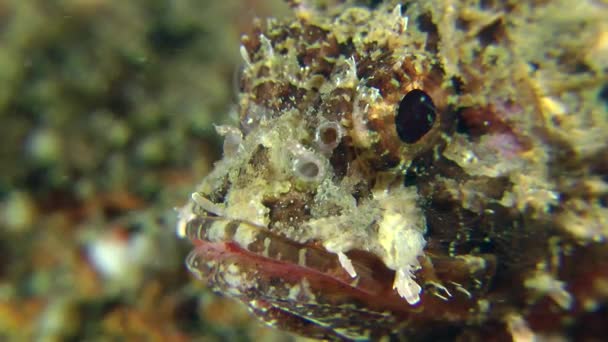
<point>415,116</point>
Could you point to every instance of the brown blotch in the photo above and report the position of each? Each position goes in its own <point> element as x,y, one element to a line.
<point>278,95</point>
<point>338,103</point>
<point>251,41</point>
<point>259,159</point>
<point>320,57</point>
<point>425,24</point>
<point>494,33</point>
<point>290,209</point>
<point>477,121</point>
<point>378,71</point>
<point>340,160</point>
<point>312,34</point>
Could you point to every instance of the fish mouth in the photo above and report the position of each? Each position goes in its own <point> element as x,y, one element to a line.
<point>223,245</point>
<point>280,292</point>
<point>250,263</point>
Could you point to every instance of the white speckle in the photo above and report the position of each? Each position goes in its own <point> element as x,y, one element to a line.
<point>245,235</point>
<point>245,56</point>
<point>463,290</point>
<point>519,329</point>
<point>443,289</point>
<point>232,268</point>
<point>109,255</point>
<point>459,288</point>
<point>266,47</point>
<point>545,284</point>
<point>352,68</point>
<point>306,290</point>
<point>302,257</point>
<point>184,215</point>
<point>119,257</point>
<point>294,292</point>
<point>347,264</point>
<point>267,242</point>
<point>234,280</point>
<point>406,286</point>
<point>400,22</point>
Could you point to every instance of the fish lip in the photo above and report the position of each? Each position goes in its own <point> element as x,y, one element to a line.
<point>205,221</point>
<point>231,270</point>
<point>274,251</point>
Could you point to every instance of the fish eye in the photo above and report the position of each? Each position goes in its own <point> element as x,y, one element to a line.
<point>415,116</point>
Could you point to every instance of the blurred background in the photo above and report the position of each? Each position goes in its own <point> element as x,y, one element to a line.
<point>106,113</point>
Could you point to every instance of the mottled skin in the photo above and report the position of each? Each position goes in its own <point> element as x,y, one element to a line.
<point>350,233</point>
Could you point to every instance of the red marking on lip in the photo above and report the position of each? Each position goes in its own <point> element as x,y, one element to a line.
<point>325,278</point>
<point>335,289</point>
<point>285,270</point>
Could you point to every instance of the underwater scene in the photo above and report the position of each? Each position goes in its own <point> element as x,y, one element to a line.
<point>303,170</point>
